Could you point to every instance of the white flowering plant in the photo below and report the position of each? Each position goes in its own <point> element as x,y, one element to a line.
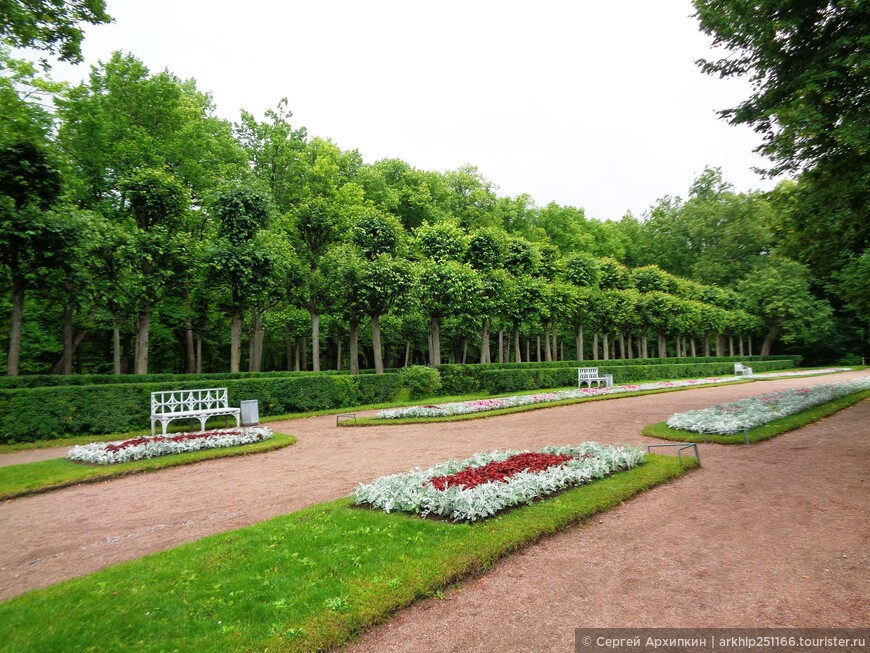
<point>736,416</point>
<point>486,483</point>
<point>482,405</point>
<point>122,451</point>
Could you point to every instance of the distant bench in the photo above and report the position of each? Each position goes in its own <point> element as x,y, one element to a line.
<point>741,369</point>
<point>590,375</point>
<point>190,404</point>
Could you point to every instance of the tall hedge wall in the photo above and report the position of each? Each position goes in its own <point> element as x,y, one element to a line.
<point>43,413</point>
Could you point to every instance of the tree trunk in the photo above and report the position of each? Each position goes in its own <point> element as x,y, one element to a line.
<point>189,352</point>
<point>65,361</point>
<point>556,342</point>
<point>288,347</point>
<point>769,339</point>
<point>548,349</point>
<point>731,345</point>
<point>116,350</point>
<point>706,345</point>
<point>435,341</point>
<point>606,346</point>
<point>407,353</point>
<point>464,349</point>
<point>740,344</point>
<point>14,354</point>
<point>518,358</point>
<point>199,354</point>
<point>315,340</point>
<point>501,345</point>
<point>663,345</point>
<point>255,354</point>
<point>235,339</point>
<point>144,322</point>
<point>579,342</point>
<point>66,358</point>
<point>484,342</point>
<point>692,345</point>
<point>595,345</point>
<point>303,354</point>
<point>376,344</point>
<point>644,344</point>
<point>749,344</point>
<point>353,348</point>
<point>528,350</point>
<point>629,345</point>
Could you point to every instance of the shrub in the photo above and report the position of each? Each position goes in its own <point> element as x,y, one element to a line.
<point>45,413</point>
<point>421,381</point>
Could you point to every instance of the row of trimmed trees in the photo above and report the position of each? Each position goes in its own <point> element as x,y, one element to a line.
<point>153,235</point>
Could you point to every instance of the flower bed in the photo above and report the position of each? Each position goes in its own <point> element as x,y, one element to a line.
<point>778,375</point>
<point>122,451</point>
<point>483,405</point>
<point>735,416</point>
<point>481,486</point>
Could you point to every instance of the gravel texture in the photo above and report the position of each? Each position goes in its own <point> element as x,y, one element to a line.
<point>775,534</point>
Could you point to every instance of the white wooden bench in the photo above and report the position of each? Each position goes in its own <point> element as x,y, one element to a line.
<point>741,369</point>
<point>589,375</point>
<point>190,404</point>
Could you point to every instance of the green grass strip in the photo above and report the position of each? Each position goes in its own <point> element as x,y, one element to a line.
<point>306,581</point>
<point>30,478</point>
<point>763,432</point>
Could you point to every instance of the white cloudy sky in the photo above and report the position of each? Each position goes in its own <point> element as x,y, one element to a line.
<point>591,104</point>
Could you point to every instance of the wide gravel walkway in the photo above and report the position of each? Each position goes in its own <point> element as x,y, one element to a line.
<point>773,534</point>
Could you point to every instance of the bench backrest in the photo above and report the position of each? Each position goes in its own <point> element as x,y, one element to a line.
<point>187,401</point>
<point>587,373</point>
<point>739,367</point>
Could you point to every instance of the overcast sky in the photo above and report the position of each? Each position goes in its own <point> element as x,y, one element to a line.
<point>597,105</point>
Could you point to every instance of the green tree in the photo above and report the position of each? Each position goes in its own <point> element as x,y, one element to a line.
<point>157,202</point>
<point>383,281</point>
<point>31,238</point>
<point>778,292</point>
<point>446,288</point>
<point>277,154</point>
<point>443,241</point>
<point>50,25</point>
<point>808,65</point>
<point>240,256</point>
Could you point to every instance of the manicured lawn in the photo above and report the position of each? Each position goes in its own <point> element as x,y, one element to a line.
<point>765,432</point>
<point>305,581</point>
<point>27,478</point>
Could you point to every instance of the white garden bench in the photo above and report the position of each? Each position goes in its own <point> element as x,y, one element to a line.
<point>590,375</point>
<point>190,404</point>
<point>741,369</point>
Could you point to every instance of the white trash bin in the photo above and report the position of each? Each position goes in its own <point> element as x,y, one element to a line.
<point>250,412</point>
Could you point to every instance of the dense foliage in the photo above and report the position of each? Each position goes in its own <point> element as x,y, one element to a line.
<point>139,233</point>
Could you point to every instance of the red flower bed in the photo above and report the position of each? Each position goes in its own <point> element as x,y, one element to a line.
<point>499,471</point>
<point>166,438</point>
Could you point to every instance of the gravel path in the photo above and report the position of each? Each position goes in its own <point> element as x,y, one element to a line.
<point>774,534</point>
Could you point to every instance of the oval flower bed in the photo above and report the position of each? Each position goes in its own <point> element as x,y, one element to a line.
<point>487,483</point>
<point>735,416</point>
<point>122,451</point>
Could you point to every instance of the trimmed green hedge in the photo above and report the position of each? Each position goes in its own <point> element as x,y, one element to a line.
<point>208,380</point>
<point>483,378</point>
<point>29,414</point>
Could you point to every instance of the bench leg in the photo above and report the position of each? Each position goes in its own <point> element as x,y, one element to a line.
<point>202,422</point>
